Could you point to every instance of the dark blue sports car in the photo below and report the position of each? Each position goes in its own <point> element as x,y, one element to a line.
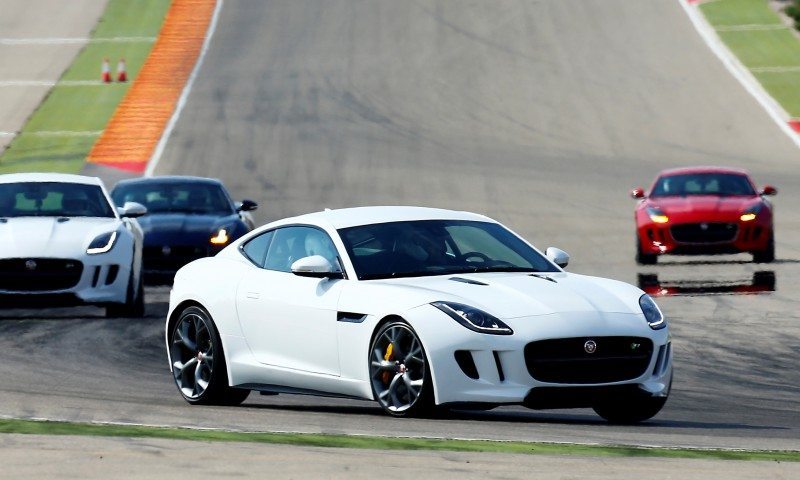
<point>187,218</point>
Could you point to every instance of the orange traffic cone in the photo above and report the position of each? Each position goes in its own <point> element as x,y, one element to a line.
<point>122,75</point>
<point>105,71</point>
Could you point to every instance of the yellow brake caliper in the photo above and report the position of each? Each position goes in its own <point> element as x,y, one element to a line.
<point>386,376</point>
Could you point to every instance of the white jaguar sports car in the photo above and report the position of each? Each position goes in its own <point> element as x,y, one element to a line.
<point>63,243</point>
<point>414,308</point>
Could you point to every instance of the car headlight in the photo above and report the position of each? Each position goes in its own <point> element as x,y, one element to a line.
<point>102,243</point>
<point>473,318</point>
<point>657,215</point>
<point>220,238</point>
<point>652,313</point>
<point>750,213</point>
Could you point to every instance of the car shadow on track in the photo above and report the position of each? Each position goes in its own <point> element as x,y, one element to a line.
<point>152,310</point>
<point>521,416</point>
<point>725,262</point>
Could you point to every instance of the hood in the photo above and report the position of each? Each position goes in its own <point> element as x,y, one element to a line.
<point>513,295</point>
<point>703,204</point>
<point>182,228</point>
<point>48,237</point>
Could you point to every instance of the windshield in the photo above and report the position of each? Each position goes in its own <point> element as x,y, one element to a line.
<point>703,184</point>
<point>438,247</point>
<point>192,198</point>
<point>53,199</point>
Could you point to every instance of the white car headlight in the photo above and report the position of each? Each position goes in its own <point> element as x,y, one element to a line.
<point>652,313</point>
<point>102,243</point>
<point>473,318</point>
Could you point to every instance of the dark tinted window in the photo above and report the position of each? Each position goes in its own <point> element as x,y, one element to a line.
<point>703,184</point>
<point>256,248</point>
<point>293,243</point>
<point>53,199</point>
<point>438,247</point>
<point>198,198</point>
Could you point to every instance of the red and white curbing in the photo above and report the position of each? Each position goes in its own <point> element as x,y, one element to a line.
<point>790,126</point>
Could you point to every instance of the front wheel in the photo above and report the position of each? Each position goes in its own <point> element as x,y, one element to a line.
<point>198,363</point>
<point>644,258</point>
<point>399,372</point>
<point>767,255</point>
<point>629,409</point>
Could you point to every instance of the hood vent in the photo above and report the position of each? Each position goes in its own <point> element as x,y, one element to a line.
<point>543,277</point>
<point>467,280</point>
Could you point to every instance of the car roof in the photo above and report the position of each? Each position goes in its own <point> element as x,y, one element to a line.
<point>702,169</point>
<point>351,217</point>
<point>49,177</point>
<point>176,179</point>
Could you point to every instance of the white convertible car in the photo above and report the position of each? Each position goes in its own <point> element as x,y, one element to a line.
<point>414,308</point>
<point>62,242</point>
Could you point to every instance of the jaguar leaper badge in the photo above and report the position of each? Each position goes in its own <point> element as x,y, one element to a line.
<point>590,346</point>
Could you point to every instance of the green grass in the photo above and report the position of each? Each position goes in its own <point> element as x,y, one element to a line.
<point>383,443</point>
<point>757,49</point>
<point>86,108</point>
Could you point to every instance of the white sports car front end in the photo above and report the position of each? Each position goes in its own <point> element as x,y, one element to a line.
<point>65,244</point>
<point>414,308</point>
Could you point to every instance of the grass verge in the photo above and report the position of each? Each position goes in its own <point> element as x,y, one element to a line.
<point>383,443</point>
<point>767,47</point>
<point>80,111</point>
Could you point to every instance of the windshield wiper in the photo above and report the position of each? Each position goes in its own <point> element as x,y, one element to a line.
<point>495,268</point>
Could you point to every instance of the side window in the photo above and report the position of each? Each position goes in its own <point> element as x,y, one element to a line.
<point>256,248</point>
<point>293,243</point>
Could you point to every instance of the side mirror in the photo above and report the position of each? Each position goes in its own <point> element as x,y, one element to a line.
<point>557,256</point>
<point>315,266</point>
<point>637,193</point>
<point>769,190</point>
<point>132,210</point>
<point>246,206</point>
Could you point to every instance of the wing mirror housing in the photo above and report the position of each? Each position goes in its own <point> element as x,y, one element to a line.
<point>132,210</point>
<point>246,206</point>
<point>316,266</point>
<point>769,190</point>
<point>557,256</point>
<point>637,193</point>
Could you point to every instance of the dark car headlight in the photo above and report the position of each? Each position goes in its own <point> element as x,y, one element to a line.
<point>655,319</point>
<point>221,236</point>
<point>751,213</point>
<point>475,319</point>
<point>102,243</point>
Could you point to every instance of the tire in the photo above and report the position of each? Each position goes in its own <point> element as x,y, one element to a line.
<point>629,409</point>
<point>134,302</point>
<point>198,362</point>
<point>644,258</point>
<point>768,255</point>
<point>400,376</point>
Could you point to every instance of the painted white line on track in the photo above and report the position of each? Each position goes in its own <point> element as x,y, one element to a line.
<point>162,142</point>
<point>739,71</point>
<point>74,40</point>
<point>7,134</point>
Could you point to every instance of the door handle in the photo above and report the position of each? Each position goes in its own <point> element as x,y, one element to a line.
<point>253,295</point>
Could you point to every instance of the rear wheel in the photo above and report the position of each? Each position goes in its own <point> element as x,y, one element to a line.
<point>644,258</point>
<point>767,255</point>
<point>198,363</point>
<point>399,371</point>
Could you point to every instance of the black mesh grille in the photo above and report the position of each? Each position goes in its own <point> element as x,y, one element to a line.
<point>704,232</point>
<point>566,360</point>
<point>39,274</point>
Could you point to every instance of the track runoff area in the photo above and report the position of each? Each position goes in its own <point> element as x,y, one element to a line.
<point>496,110</point>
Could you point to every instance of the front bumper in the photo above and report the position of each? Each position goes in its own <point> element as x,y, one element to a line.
<point>688,238</point>
<point>37,282</point>
<point>502,375</point>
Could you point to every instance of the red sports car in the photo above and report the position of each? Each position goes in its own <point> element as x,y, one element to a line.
<point>703,211</point>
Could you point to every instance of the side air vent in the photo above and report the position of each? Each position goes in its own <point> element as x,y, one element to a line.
<point>467,364</point>
<point>543,277</point>
<point>467,280</point>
